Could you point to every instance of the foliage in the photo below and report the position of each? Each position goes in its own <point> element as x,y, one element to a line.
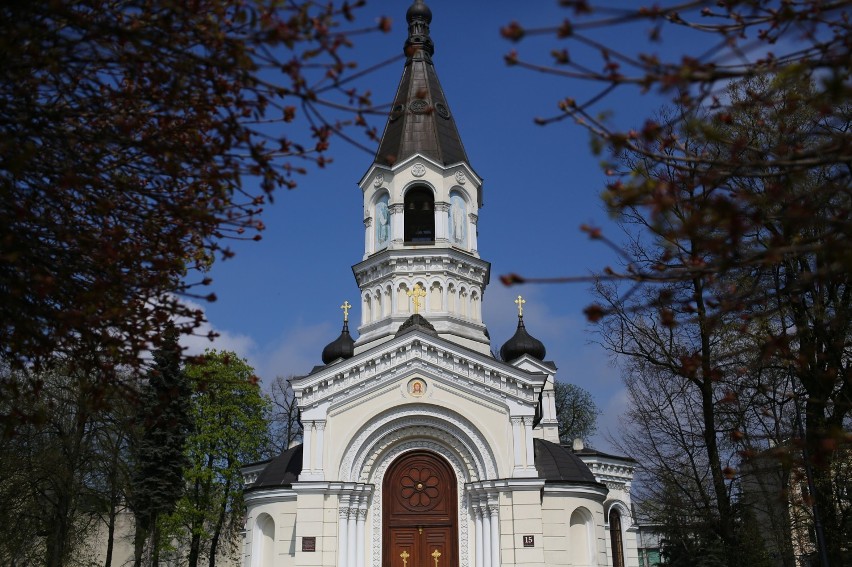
<point>128,131</point>
<point>159,451</point>
<point>53,474</point>
<point>743,199</point>
<point>576,412</point>
<point>231,424</point>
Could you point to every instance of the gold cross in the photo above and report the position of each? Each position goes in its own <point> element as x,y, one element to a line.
<point>415,294</point>
<point>346,307</point>
<point>405,557</point>
<point>436,554</point>
<point>520,301</point>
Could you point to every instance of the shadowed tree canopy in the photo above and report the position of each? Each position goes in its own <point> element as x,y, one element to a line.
<point>127,132</point>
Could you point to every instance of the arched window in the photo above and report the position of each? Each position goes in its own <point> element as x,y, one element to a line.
<point>615,538</point>
<point>263,554</point>
<point>580,538</point>
<point>419,215</point>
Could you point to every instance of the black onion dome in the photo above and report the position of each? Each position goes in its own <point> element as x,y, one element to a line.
<point>342,347</point>
<point>522,343</point>
<point>416,322</point>
<point>419,10</point>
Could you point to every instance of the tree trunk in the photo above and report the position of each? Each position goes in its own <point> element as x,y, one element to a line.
<point>725,520</point>
<point>220,522</point>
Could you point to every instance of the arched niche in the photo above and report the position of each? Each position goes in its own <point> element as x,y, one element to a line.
<point>581,538</point>
<point>382,224</point>
<point>457,219</point>
<point>263,548</point>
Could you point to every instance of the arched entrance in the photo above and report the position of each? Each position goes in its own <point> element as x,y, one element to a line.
<point>420,524</point>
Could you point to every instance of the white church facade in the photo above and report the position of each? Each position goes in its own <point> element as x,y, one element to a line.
<point>420,448</point>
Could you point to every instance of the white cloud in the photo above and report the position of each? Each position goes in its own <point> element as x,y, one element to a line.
<point>199,341</point>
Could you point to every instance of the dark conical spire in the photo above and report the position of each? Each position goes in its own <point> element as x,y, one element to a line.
<point>420,121</point>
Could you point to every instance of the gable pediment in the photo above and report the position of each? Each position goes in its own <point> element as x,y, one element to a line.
<point>418,353</point>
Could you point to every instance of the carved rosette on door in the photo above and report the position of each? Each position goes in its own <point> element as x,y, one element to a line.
<point>420,516</point>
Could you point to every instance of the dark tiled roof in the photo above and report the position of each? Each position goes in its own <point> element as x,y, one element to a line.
<point>283,470</point>
<point>589,452</point>
<point>556,463</point>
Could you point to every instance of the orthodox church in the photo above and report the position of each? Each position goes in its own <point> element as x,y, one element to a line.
<point>420,448</point>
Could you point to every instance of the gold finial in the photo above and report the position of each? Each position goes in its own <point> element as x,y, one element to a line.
<point>346,307</point>
<point>415,294</point>
<point>405,557</point>
<point>520,301</point>
<point>436,554</point>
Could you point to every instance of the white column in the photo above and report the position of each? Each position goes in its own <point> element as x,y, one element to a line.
<point>352,544</point>
<point>342,532</point>
<point>319,468</point>
<point>486,536</point>
<point>307,455</point>
<point>528,440</point>
<point>477,512</point>
<point>442,231</point>
<point>362,520</point>
<point>397,212</point>
<point>517,440</point>
<point>495,535</point>
<point>471,232</point>
<point>368,240</point>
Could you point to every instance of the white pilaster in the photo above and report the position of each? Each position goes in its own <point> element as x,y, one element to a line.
<point>342,532</point>
<point>477,512</point>
<point>517,443</point>
<point>319,468</point>
<point>493,509</point>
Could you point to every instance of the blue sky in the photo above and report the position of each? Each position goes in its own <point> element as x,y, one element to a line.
<point>278,298</point>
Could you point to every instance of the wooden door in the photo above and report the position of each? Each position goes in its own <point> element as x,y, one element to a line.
<point>420,513</point>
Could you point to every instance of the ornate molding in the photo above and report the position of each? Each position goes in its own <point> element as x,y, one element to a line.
<point>418,421</point>
<point>461,179</point>
<point>380,178</point>
<point>418,169</point>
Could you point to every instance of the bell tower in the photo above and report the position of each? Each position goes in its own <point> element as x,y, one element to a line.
<point>421,205</point>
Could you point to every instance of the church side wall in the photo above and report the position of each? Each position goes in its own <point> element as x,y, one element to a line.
<point>282,511</point>
<point>558,512</point>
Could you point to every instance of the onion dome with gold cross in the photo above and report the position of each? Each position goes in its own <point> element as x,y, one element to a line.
<point>342,347</point>
<point>522,342</point>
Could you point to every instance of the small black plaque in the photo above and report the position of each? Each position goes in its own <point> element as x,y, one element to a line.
<point>309,544</point>
<point>529,541</point>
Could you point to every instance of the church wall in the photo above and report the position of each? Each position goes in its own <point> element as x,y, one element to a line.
<point>282,510</point>
<point>556,511</point>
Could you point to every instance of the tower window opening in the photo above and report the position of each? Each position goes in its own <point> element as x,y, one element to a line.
<point>419,216</point>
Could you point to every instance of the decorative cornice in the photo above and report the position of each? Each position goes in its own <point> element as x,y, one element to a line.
<point>377,367</point>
